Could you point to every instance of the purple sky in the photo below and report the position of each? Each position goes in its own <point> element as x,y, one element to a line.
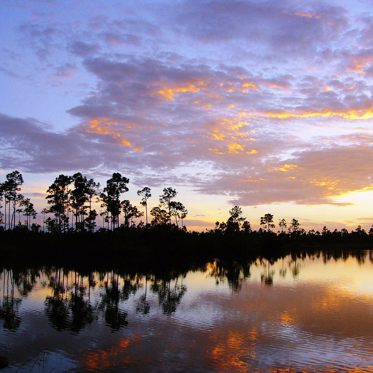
<point>267,104</point>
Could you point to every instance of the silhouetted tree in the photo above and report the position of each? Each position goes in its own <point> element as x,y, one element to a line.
<point>28,211</point>
<point>115,186</point>
<point>9,189</point>
<point>160,216</point>
<point>58,199</point>
<point>130,212</point>
<point>294,226</point>
<point>81,202</point>
<point>325,231</point>
<point>282,224</point>
<point>165,200</point>
<point>246,227</point>
<point>359,231</point>
<point>145,193</point>
<point>178,211</point>
<point>235,219</point>
<point>267,221</point>
<point>182,213</point>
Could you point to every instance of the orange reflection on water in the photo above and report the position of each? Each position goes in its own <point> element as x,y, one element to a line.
<point>330,300</point>
<point>105,359</point>
<point>230,352</point>
<point>348,370</point>
<point>326,370</point>
<point>286,319</point>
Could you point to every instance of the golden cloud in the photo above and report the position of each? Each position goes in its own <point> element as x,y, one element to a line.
<point>229,131</point>
<point>351,114</point>
<point>287,167</point>
<point>109,127</point>
<point>168,93</point>
<point>359,64</point>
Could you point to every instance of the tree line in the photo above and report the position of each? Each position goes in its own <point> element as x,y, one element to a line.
<point>71,202</point>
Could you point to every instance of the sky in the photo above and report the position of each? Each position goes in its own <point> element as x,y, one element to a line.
<point>263,104</point>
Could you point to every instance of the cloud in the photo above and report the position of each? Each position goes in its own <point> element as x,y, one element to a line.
<point>41,38</point>
<point>30,146</point>
<point>263,101</point>
<point>309,177</point>
<point>84,49</point>
<point>287,26</point>
<point>64,72</point>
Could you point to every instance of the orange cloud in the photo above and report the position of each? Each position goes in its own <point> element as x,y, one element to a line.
<point>283,86</point>
<point>287,167</point>
<point>329,185</point>
<point>234,148</point>
<point>327,88</point>
<point>246,86</point>
<point>229,132</point>
<point>359,64</point>
<point>168,93</point>
<point>306,15</point>
<point>352,114</point>
<point>109,127</point>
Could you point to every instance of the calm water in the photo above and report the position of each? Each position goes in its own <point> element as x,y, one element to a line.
<point>292,315</point>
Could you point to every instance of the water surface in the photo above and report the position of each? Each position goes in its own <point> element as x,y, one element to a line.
<point>313,314</point>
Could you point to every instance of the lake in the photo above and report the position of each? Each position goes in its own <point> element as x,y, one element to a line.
<point>295,314</point>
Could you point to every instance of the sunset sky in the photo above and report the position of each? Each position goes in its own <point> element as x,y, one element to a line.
<point>264,104</point>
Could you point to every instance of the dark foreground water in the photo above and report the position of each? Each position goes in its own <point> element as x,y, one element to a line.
<point>292,315</point>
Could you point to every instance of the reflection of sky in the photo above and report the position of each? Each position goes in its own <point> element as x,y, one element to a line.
<point>319,320</point>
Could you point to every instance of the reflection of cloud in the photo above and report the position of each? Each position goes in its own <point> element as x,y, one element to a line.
<point>109,358</point>
<point>230,350</point>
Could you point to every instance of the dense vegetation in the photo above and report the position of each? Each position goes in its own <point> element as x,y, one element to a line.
<point>70,232</point>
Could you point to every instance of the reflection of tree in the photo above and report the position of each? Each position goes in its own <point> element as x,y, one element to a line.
<point>25,281</point>
<point>267,277</point>
<point>283,269</point>
<point>9,309</point>
<point>295,268</point>
<point>81,309</point>
<point>115,318</point>
<point>143,305</point>
<point>371,255</point>
<point>56,305</point>
<point>169,296</point>
<point>67,308</point>
<point>57,311</point>
<point>232,271</point>
<point>130,286</point>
